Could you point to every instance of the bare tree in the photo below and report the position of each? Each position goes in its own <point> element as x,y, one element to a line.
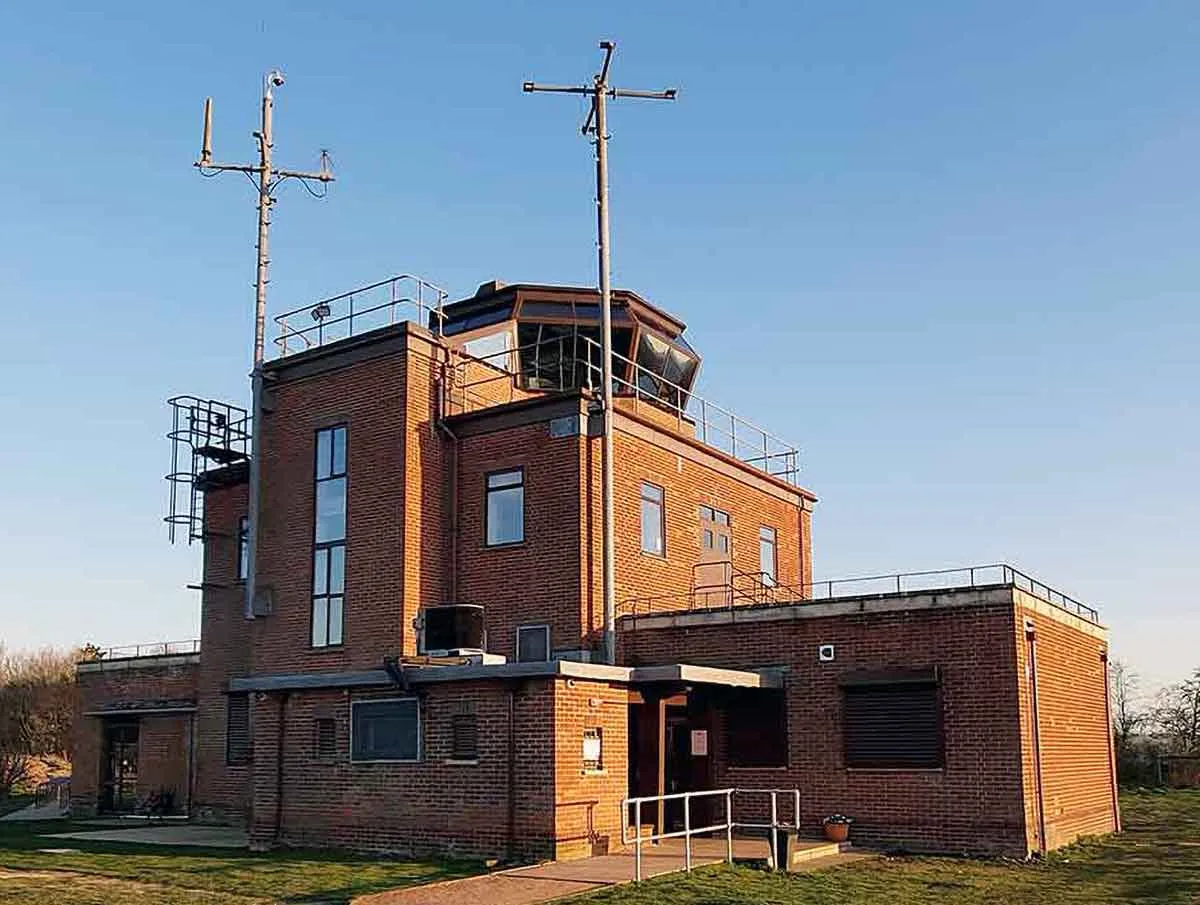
<point>1177,716</point>
<point>37,702</point>
<point>1128,715</point>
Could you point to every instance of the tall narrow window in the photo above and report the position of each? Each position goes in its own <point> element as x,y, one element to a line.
<point>505,507</point>
<point>767,561</point>
<point>243,561</point>
<point>653,540</point>
<point>329,538</point>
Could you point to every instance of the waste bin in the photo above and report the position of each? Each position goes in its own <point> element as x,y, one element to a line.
<point>782,845</point>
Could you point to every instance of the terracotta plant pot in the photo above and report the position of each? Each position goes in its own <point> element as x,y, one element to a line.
<point>837,832</point>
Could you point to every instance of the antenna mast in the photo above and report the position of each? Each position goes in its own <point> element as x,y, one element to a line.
<point>266,180</point>
<point>597,124</point>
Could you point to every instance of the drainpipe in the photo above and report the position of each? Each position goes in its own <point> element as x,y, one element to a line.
<point>283,699</point>
<point>512,773</point>
<point>1112,758</point>
<point>191,761</point>
<point>452,557</point>
<point>1031,666</point>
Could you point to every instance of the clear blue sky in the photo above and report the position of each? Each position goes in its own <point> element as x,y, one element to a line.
<point>948,248</point>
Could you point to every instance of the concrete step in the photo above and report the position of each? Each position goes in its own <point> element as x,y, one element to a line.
<point>825,861</point>
<point>811,849</point>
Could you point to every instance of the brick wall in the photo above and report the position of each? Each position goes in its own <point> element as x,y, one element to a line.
<point>221,792</point>
<point>1077,782</point>
<point>587,801</point>
<point>690,477</point>
<point>369,396</point>
<point>536,581</point>
<point>973,804</point>
<point>133,685</point>
<point>435,804</point>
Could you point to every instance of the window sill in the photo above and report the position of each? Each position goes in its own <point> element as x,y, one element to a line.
<point>587,772</point>
<point>327,647</point>
<point>659,557</point>
<point>505,546</point>
<point>383,760</point>
<point>932,770</point>
<point>461,762</point>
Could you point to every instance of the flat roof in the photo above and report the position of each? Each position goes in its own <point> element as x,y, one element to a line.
<point>552,669</point>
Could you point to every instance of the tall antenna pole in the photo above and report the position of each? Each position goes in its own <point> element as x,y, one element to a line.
<point>597,124</point>
<point>267,180</point>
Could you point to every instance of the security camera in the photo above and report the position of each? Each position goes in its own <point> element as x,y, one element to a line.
<point>276,78</point>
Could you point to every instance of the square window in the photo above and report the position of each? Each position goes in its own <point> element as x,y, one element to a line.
<point>756,728</point>
<point>505,508</point>
<point>653,525</point>
<point>385,730</point>
<point>892,722</point>
<point>533,643</point>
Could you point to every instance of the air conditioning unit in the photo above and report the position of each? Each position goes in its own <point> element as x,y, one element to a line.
<point>455,630</point>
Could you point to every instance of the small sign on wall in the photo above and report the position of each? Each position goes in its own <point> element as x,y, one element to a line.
<point>592,749</point>
<point>699,743</point>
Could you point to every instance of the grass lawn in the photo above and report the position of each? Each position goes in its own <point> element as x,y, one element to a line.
<point>1156,860</point>
<point>116,874</point>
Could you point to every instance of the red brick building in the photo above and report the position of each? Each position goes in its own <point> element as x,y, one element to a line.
<point>422,666</point>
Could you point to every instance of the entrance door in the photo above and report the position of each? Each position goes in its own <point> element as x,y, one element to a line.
<point>688,768</point>
<point>713,574</point>
<point>118,790</point>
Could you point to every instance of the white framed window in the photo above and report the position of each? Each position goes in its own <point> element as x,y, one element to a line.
<point>533,643</point>
<point>653,523</point>
<point>388,729</point>
<point>767,560</point>
<point>329,538</point>
<point>505,507</point>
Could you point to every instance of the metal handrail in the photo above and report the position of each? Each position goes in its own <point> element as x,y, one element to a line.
<point>711,424</point>
<point>332,319</point>
<point>689,831</point>
<point>155,649</point>
<point>997,574</point>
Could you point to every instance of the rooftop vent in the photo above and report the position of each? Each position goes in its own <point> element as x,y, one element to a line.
<point>491,287</point>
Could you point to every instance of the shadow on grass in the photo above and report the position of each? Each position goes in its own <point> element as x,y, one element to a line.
<point>289,875</point>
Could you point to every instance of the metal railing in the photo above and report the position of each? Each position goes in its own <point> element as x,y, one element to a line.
<point>727,826</point>
<point>204,433</point>
<point>390,301</point>
<point>57,790</point>
<point>755,589</point>
<point>133,651</point>
<point>574,362</point>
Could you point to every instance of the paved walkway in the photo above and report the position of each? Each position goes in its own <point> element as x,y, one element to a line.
<point>543,882</point>
<point>49,811</point>
<point>164,834</point>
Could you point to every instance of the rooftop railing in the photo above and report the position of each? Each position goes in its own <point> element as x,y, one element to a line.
<point>133,651</point>
<point>574,362</point>
<point>757,588</point>
<point>394,300</point>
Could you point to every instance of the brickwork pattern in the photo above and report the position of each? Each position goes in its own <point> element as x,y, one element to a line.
<point>162,740</point>
<point>1076,770</point>
<point>222,790</point>
<point>973,804</point>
